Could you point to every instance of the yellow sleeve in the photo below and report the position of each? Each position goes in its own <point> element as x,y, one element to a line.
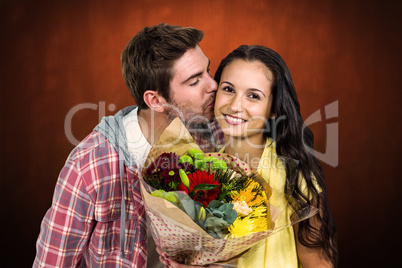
<point>303,185</point>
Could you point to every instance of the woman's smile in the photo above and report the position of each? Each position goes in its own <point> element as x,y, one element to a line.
<point>232,120</point>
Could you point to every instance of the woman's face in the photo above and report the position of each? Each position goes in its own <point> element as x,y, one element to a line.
<point>243,100</point>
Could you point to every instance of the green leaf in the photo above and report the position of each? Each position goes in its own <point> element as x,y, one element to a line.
<point>190,207</point>
<point>230,214</point>
<point>215,224</point>
<point>205,187</point>
<point>215,204</point>
<point>222,210</point>
<point>218,213</point>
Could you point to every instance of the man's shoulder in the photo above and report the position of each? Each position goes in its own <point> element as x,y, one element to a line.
<point>95,144</point>
<point>96,161</point>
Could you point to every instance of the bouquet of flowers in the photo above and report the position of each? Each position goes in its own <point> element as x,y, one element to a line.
<point>203,208</point>
<point>222,201</point>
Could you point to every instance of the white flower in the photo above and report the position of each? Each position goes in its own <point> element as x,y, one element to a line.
<point>242,208</point>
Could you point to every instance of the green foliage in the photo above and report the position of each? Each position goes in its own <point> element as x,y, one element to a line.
<point>220,216</point>
<point>169,196</point>
<point>205,186</point>
<point>199,164</point>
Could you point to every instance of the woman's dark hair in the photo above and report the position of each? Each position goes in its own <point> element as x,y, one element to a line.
<point>293,140</point>
<point>147,60</point>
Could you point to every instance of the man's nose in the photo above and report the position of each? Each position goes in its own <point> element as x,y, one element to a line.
<point>213,86</point>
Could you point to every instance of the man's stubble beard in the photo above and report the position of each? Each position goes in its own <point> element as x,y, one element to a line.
<point>194,122</point>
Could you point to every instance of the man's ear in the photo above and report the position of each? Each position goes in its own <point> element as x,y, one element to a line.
<point>154,100</point>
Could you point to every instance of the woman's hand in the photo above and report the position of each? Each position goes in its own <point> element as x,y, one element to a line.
<point>172,264</point>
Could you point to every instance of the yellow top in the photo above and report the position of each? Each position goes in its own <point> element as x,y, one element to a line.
<point>279,250</point>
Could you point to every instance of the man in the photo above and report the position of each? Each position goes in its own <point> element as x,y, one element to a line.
<point>97,216</point>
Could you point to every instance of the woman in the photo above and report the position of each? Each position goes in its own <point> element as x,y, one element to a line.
<point>257,108</point>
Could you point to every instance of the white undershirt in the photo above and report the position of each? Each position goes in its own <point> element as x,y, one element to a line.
<point>137,144</point>
<point>139,147</point>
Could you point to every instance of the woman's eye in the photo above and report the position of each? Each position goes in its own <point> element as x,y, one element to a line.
<point>228,89</point>
<point>254,96</point>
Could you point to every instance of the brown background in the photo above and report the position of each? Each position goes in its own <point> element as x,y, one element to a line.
<point>56,55</point>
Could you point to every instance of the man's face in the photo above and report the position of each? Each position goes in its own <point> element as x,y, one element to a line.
<point>192,89</point>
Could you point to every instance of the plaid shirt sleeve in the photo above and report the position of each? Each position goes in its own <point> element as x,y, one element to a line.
<point>67,225</point>
<point>82,227</point>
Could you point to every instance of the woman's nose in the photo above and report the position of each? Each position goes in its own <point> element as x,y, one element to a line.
<point>236,105</point>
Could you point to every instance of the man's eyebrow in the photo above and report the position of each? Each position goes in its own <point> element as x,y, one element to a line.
<point>196,75</point>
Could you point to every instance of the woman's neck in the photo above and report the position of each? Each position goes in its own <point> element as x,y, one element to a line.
<point>248,151</point>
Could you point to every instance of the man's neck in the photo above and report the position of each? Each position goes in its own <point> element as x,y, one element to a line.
<point>152,124</point>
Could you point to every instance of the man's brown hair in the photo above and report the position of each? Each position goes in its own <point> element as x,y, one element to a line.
<point>147,60</point>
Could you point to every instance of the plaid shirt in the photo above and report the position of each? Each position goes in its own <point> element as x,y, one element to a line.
<point>213,141</point>
<point>82,227</point>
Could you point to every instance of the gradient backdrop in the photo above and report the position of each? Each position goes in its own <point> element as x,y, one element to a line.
<point>58,57</point>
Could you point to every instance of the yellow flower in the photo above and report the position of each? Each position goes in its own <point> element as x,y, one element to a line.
<point>259,212</point>
<point>247,225</point>
<point>240,227</point>
<point>252,210</point>
<point>249,194</point>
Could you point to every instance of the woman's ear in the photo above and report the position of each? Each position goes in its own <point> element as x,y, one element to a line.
<point>154,101</point>
<point>272,116</point>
